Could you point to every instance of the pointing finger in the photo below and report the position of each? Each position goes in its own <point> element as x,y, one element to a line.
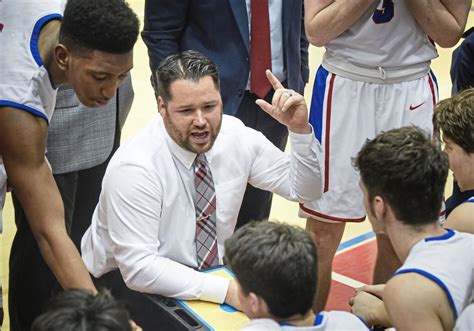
<point>273,80</point>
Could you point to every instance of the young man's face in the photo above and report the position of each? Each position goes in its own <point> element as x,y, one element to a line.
<point>193,115</point>
<point>461,163</point>
<point>95,76</point>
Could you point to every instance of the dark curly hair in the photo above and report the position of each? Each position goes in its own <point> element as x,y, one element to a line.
<point>277,262</point>
<point>407,169</point>
<point>80,310</point>
<point>106,25</point>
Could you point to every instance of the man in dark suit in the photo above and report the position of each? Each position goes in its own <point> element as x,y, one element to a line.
<point>222,30</point>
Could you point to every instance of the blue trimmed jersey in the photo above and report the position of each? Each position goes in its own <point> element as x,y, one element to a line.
<point>24,81</point>
<point>447,260</point>
<point>324,321</point>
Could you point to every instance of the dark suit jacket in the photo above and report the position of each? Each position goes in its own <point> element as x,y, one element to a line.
<point>462,64</point>
<point>220,30</point>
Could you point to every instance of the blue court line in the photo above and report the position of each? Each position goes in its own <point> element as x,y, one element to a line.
<point>356,240</point>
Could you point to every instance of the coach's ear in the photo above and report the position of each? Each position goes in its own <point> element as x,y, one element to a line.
<point>161,106</point>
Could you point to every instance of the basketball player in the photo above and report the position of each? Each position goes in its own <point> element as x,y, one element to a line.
<point>375,76</point>
<point>275,268</point>
<point>89,47</point>
<point>455,118</point>
<point>403,175</point>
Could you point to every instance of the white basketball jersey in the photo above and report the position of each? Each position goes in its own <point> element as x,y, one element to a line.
<point>386,36</point>
<point>466,319</point>
<point>325,321</point>
<point>448,260</point>
<point>24,81</point>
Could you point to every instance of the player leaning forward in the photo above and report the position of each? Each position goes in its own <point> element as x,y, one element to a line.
<point>90,47</point>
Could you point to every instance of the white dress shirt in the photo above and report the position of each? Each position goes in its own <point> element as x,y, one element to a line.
<point>145,221</point>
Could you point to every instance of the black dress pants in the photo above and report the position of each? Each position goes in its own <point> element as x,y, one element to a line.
<point>257,203</point>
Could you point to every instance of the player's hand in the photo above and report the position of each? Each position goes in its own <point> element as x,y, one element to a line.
<point>232,298</point>
<point>376,290</point>
<point>368,307</point>
<point>288,107</point>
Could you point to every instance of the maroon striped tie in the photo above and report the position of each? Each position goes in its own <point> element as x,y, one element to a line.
<point>205,203</point>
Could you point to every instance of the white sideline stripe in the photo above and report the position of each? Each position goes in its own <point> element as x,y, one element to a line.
<point>346,280</point>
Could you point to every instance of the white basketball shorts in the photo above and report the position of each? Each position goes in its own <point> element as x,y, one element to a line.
<point>344,114</point>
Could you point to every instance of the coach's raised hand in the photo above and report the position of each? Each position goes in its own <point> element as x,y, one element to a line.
<point>288,107</point>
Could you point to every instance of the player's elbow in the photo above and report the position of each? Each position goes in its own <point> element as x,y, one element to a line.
<point>449,40</point>
<point>316,39</point>
<point>315,36</point>
<point>448,43</point>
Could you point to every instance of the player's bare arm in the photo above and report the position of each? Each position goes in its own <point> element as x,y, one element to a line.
<point>443,21</point>
<point>22,146</point>
<point>325,20</point>
<point>460,218</point>
<point>370,308</point>
<point>414,302</point>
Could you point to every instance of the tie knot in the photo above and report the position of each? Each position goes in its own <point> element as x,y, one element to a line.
<point>200,159</point>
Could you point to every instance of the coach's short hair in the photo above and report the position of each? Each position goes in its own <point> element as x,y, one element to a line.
<point>277,262</point>
<point>105,25</point>
<point>188,65</point>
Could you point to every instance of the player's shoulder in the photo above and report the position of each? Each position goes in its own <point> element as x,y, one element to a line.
<point>412,288</point>
<point>460,218</point>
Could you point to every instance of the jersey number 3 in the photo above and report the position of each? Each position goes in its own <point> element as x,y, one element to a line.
<point>385,14</point>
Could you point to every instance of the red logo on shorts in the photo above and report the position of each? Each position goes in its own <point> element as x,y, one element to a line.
<point>417,106</point>
<point>1,27</point>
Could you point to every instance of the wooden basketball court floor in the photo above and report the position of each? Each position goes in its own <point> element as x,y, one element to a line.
<point>355,257</point>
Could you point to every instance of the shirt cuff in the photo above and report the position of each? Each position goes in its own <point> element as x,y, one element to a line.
<point>214,288</point>
<point>300,142</point>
